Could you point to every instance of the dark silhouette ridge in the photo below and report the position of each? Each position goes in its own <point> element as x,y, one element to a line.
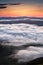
<point>27,21</point>
<point>39,23</point>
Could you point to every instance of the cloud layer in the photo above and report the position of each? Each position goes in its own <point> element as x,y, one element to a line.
<point>21,34</point>
<point>18,35</point>
<point>29,54</point>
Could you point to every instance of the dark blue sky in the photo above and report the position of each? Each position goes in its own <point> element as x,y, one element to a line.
<point>23,1</point>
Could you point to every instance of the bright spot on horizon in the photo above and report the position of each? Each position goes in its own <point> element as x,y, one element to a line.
<point>22,10</point>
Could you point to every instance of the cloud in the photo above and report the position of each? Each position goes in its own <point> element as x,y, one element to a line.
<point>10,4</point>
<point>28,54</point>
<point>21,34</point>
<point>14,4</point>
<point>2,6</point>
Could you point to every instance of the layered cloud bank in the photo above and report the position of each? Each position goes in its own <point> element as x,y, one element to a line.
<point>21,34</point>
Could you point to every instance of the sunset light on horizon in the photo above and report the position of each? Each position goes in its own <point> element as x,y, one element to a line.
<point>33,10</point>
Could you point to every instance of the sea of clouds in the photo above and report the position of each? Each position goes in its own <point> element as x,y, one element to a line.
<point>23,34</point>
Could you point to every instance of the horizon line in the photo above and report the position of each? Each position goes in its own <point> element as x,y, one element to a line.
<point>23,16</point>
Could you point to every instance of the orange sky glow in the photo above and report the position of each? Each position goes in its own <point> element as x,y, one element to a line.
<point>22,10</point>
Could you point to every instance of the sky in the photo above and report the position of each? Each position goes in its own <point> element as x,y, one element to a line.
<point>14,8</point>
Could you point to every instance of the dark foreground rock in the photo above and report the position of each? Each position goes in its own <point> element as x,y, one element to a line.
<point>6,51</point>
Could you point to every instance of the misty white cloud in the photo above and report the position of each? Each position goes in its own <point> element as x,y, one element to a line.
<point>29,54</point>
<point>21,34</point>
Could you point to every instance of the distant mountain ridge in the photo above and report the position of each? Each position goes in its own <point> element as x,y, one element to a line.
<point>27,20</point>
<point>21,17</point>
